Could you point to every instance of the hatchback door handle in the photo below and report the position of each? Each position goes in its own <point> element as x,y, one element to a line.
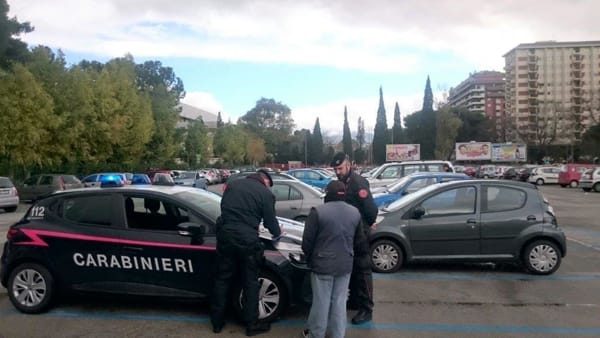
<point>294,208</point>
<point>471,221</point>
<point>531,218</point>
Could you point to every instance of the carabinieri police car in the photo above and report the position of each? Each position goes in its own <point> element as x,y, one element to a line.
<point>137,240</point>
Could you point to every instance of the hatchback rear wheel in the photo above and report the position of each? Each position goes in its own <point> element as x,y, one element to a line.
<point>542,257</point>
<point>31,288</point>
<point>386,256</point>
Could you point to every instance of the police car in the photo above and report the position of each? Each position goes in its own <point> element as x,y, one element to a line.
<point>137,240</point>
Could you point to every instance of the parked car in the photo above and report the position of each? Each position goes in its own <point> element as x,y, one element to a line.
<point>9,196</point>
<point>95,180</point>
<point>137,240</point>
<point>590,180</point>
<point>140,179</point>
<point>311,176</point>
<point>499,173</point>
<point>39,186</point>
<point>274,175</point>
<point>470,221</point>
<point>163,179</point>
<point>294,199</point>
<point>391,172</point>
<point>191,178</point>
<point>570,174</point>
<point>524,173</point>
<point>486,171</point>
<point>510,174</point>
<point>383,196</point>
<point>470,171</point>
<point>544,175</point>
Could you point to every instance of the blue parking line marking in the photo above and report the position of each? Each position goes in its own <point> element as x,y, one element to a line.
<point>478,276</point>
<point>300,324</point>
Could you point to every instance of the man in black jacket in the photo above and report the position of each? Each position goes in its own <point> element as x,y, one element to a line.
<point>244,204</point>
<point>359,195</point>
<point>331,233</point>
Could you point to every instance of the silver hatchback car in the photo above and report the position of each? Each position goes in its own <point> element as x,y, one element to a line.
<point>9,197</point>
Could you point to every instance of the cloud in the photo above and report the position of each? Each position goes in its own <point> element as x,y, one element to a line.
<point>207,102</point>
<point>383,36</point>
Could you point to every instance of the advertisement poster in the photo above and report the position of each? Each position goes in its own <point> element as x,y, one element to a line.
<point>402,152</point>
<point>473,151</point>
<point>509,152</point>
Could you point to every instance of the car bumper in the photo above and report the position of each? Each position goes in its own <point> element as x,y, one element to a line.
<point>11,201</point>
<point>586,184</point>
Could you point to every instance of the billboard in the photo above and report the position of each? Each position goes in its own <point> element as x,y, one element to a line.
<point>402,152</point>
<point>509,152</point>
<point>473,151</point>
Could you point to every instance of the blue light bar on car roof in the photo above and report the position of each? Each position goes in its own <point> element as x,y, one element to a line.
<point>111,181</point>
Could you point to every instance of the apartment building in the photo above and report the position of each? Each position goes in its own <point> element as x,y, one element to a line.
<point>482,92</point>
<point>552,90</point>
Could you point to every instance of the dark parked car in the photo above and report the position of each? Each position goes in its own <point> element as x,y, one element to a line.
<point>510,174</point>
<point>136,240</point>
<point>524,174</point>
<point>38,186</point>
<point>471,220</point>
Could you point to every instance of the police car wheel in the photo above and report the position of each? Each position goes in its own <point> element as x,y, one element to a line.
<point>30,288</point>
<point>386,256</point>
<point>272,297</point>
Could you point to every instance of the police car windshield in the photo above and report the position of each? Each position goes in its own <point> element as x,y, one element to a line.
<point>207,203</point>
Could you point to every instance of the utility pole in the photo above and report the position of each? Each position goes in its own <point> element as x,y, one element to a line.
<point>305,149</point>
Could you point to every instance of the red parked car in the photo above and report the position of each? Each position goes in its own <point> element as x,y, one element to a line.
<point>570,174</point>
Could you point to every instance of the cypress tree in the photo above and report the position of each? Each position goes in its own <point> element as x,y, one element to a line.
<point>380,138</point>
<point>219,121</point>
<point>347,137</point>
<point>317,144</point>
<point>397,132</point>
<point>428,97</point>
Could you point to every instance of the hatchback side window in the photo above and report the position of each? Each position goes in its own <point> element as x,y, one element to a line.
<point>454,201</point>
<point>91,210</point>
<point>502,199</point>
<point>312,175</point>
<point>295,194</point>
<point>418,184</point>
<point>410,169</point>
<point>298,174</point>
<point>46,180</point>
<point>31,181</point>
<point>281,192</point>
<point>390,172</point>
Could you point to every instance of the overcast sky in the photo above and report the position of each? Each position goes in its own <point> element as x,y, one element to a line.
<point>314,56</point>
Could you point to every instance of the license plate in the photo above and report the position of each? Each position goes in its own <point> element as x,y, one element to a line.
<point>4,192</point>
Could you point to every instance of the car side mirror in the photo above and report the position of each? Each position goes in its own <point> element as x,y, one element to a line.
<point>418,212</point>
<point>191,229</point>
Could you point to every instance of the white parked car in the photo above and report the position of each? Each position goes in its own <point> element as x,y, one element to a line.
<point>391,172</point>
<point>544,175</point>
<point>590,180</point>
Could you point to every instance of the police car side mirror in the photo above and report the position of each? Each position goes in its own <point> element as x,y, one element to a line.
<point>191,229</point>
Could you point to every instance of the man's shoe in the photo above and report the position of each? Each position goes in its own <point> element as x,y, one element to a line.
<point>258,328</point>
<point>218,328</point>
<point>362,317</point>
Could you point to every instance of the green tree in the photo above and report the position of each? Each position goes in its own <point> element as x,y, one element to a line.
<point>272,121</point>
<point>428,97</point>
<point>26,121</point>
<point>359,152</point>
<point>219,121</point>
<point>195,150</point>
<point>316,144</point>
<point>590,142</point>
<point>397,132</point>
<point>255,151</point>
<point>380,134</point>
<point>235,139</point>
<point>11,47</point>
<point>475,127</point>
<point>421,125</point>
<point>347,137</point>
<point>165,90</point>
<point>448,125</point>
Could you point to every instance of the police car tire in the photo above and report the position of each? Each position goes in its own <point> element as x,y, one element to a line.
<point>42,275</point>
<point>281,289</point>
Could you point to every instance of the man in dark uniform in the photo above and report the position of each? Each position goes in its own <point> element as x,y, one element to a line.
<point>244,204</point>
<point>358,194</point>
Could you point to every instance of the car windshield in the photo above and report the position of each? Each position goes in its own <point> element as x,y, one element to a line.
<point>70,179</point>
<point>398,204</point>
<point>207,203</point>
<point>396,186</point>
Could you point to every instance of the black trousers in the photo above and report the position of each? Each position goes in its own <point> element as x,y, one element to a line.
<point>361,287</point>
<point>237,255</point>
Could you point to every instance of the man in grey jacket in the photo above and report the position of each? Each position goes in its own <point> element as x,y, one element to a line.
<point>328,243</point>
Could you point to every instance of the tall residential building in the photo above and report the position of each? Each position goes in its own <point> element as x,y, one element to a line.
<point>552,90</point>
<point>482,92</point>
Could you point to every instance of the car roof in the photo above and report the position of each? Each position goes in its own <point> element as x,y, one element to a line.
<point>435,174</point>
<point>496,182</point>
<point>165,189</point>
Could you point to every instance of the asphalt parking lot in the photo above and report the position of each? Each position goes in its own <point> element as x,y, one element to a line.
<point>431,300</point>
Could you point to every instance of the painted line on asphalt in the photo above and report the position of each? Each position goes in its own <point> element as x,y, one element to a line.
<point>300,324</point>
<point>589,246</point>
<point>486,276</point>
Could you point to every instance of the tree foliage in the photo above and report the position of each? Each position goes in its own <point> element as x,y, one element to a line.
<point>448,126</point>
<point>380,135</point>
<point>316,144</point>
<point>347,137</point>
<point>195,151</point>
<point>359,152</point>
<point>270,120</point>
<point>11,47</point>
<point>397,131</point>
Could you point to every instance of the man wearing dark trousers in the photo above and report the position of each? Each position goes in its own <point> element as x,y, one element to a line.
<point>244,204</point>
<point>359,195</point>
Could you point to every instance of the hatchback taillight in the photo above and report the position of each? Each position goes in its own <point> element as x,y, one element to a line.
<point>61,181</point>
<point>14,192</point>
